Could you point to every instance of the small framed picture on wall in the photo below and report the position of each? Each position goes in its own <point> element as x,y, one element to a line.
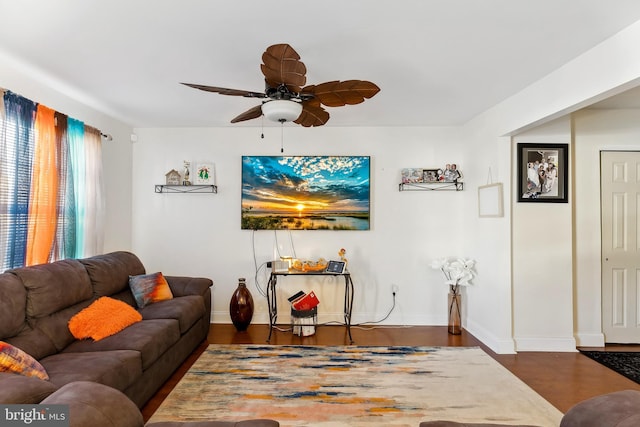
<point>543,173</point>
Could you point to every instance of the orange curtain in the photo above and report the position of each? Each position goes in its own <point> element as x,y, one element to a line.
<point>44,190</point>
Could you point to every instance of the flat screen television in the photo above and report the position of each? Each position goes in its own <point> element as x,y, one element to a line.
<point>305,192</point>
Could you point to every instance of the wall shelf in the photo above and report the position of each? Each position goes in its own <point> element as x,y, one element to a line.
<point>162,188</point>
<point>431,186</point>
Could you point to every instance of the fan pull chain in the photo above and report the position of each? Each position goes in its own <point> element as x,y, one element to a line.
<point>262,127</point>
<point>282,136</point>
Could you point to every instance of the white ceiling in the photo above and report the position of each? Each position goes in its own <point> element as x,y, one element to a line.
<point>437,62</point>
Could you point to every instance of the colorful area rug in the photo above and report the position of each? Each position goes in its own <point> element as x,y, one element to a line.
<point>624,363</point>
<point>353,386</point>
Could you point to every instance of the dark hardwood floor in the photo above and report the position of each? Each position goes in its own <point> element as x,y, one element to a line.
<point>564,379</point>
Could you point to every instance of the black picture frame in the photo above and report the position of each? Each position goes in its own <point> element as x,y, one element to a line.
<point>430,175</point>
<point>337,267</point>
<point>543,173</point>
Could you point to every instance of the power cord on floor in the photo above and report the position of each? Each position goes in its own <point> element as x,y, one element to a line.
<point>359,325</point>
<point>393,306</point>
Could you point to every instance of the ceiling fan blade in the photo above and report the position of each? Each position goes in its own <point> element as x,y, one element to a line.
<point>282,65</point>
<point>226,91</point>
<point>253,113</point>
<point>312,115</point>
<point>338,94</point>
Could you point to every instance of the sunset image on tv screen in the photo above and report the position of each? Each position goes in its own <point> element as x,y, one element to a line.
<point>305,192</point>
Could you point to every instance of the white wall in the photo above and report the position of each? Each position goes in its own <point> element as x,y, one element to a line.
<point>595,131</point>
<point>200,233</point>
<point>30,83</point>
<point>505,309</point>
<point>542,257</point>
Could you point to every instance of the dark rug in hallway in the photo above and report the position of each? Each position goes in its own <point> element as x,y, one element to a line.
<point>624,363</point>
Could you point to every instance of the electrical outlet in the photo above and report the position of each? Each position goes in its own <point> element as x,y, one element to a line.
<point>394,288</point>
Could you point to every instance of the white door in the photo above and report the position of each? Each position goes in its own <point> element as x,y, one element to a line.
<point>620,198</point>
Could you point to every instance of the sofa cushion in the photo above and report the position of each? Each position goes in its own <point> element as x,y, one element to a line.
<point>151,338</point>
<point>118,369</point>
<point>13,305</point>
<point>17,389</point>
<point>110,273</point>
<point>33,342</point>
<point>186,310</point>
<point>55,286</point>
<point>54,326</point>
<point>126,296</point>
<point>12,359</point>
<point>149,288</point>
<point>104,317</point>
<point>96,405</point>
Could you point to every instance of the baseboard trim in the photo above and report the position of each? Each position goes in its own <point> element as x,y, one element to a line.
<point>559,344</point>
<point>590,340</point>
<point>500,346</point>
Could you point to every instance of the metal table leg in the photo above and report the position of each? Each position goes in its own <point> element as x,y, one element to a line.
<point>272,303</point>
<point>348,303</point>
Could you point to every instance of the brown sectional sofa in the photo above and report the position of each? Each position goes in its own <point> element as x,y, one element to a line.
<point>82,398</point>
<point>616,409</point>
<point>37,302</point>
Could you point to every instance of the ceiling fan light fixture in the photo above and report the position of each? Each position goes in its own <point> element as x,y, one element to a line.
<point>282,110</point>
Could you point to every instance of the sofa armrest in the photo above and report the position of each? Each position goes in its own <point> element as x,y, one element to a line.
<point>182,286</point>
<point>243,423</point>
<point>96,405</point>
<point>443,423</point>
<point>616,409</point>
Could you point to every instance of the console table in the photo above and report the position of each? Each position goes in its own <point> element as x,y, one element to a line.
<point>272,301</point>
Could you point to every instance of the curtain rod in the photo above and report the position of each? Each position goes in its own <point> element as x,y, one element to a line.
<point>106,136</point>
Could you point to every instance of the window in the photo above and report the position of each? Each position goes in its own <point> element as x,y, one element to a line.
<point>51,198</point>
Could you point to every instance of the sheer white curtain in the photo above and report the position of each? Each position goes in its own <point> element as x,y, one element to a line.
<point>94,196</point>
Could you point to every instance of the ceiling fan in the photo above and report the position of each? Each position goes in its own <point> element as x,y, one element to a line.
<point>286,98</point>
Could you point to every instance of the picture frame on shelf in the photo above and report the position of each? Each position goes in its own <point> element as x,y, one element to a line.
<point>430,175</point>
<point>204,174</point>
<point>337,267</point>
<point>411,175</point>
<point>451,173</point>
<point>543,173</point>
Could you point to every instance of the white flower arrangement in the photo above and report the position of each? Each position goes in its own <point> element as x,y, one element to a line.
<point>457,271</point>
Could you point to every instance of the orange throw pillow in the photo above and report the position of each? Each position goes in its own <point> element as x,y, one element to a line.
<point>149,288</point>
<point>104,317</point>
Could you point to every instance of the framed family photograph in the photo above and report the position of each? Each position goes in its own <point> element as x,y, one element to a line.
<point>430,175</point>
<point>543,173</point>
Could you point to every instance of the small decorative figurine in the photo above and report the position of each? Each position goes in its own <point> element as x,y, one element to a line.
<point>342,252</point>
<point>185,180</point>
<point>172,177</point>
